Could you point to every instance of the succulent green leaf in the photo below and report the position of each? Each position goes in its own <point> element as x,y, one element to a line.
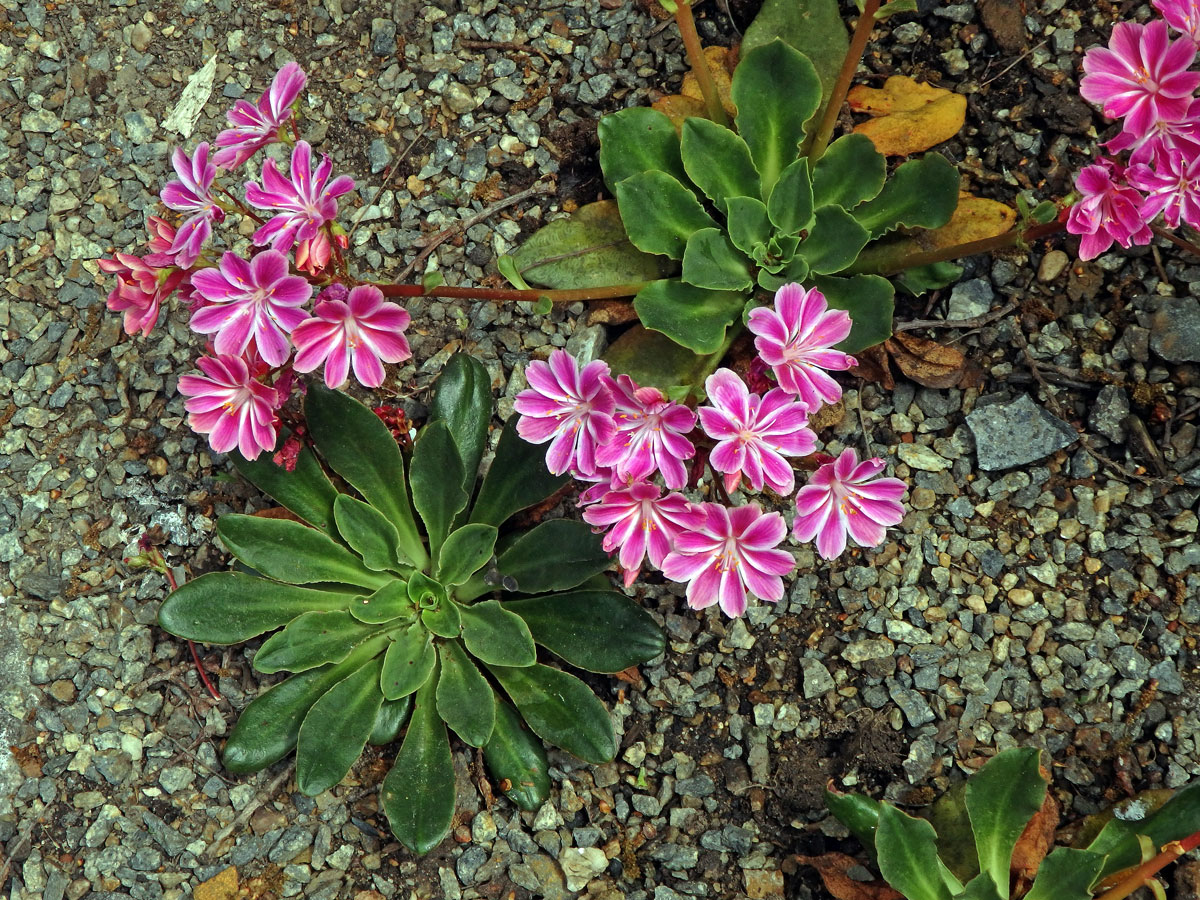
<point>418,793</point>
<point>851,171</point>
<point>465,552</point>
<point>336,728</point>
<point>1173,821</point>
<point>718,162</point>
<point>409,661</point>
<point>791,203</point>
<point>294,553</point>
<point>1067,874</point>
<point>389,720</point>
<point>561,710</point>
<point>312,639</point>
<point>368,533</point>
<point>922,193</point>
<point>869,299</point>
<point>654,360</point>
<point>921,279</point>
<point>691,316</point>
<point>659,213</point>
<point>496,636</point>
<point>553,556</point>
<point>600,631</point>
<point>517,478</point>
<point>835,241</point>
<point>387,604</point>
<point>908,855</point>
<point>437,481</point>
<point>711,261</point>
<point>749,224</point>
<point>516,757</point>
<point>506,265</point>
<point>794,272</point>
<point>444,620</point>
<point>305,490</point>
<point>769,119</point>
<point>359,447</point>
<point>462,398</point>
<point>636,140</point>
<point>228,607</point>
<point>1001,799</point>
<point>956,841</point>
<point>465,700</point>
<point>857,812</point>
<point>981,888</point>
<point>814,27</point>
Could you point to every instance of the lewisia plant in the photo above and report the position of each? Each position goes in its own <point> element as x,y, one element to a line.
<point>621,438</point>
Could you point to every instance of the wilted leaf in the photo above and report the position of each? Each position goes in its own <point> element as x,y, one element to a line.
<point>278,512</point>
<point>611,312</point>
<point>908,116</point>
<point>1034,843</point>
<point>927,362</point>
<point>873,366</point>
<point>833,868</point>
<point>690,99</point>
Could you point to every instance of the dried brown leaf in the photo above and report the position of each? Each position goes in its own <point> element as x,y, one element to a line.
<point>1034,843</point>
<point>927,362</point>
<point>690,99</point>
<point>278,512</point>
<point>611,312</point>
<point>832,867</point>
<point>873,366</point>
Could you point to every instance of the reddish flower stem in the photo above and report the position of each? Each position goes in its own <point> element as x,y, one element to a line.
<point>971,248</point>
<point>1176,240</point>
<point>841,87</point>
<point>213,692</point>
<point>1147,870</point>
<point>695,52</point>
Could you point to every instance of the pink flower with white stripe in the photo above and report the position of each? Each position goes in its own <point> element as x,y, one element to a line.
<point>361,331</point>
<point>306,200</point>
<point>840,498</point>
<point>1172,188</point>
<point>251,304</point>
<point>192,193</point>
<point>796,339</point>
<point>569,407</point>
<point>231,406</point>
<point>1182,15</point>
<point>642,523</point>
<point>650,434</point>
<point>1109,211</point>
<point>141,289</point>
<point>754,433</point>
<point>727,554</point>
<point>1165,136</point>
<point>256,126</point>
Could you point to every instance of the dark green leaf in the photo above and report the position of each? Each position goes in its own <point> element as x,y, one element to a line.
<point>311,640</point>
<point>718,162</point>
<point>517,758</point>
<point>228,607</point>
<point>437,479</point>
<point>305,490</point>
<point>507,266</point>
<point>908,855</point>
<point>600,631</point>
<point>561,710</point>
<point>1173,821</point>
<point>956,841</point>
<point>1001,799</point>
<point>791,203</point>
<point>408,663</point>
<point>368,533</point>
<point>359,447</point>
<point>711,261</point>
<point>982,888</point>
<point>636,140</point>
<point>691,316</point>
<point>794,272</point>
<point>495,635</point>
<point>749,225</point>
<point>465,552</point>
<point>389,720</point>
<point>1067,874</point>
<point>517,478</point>
<point>553,556</point>
<point>814,27</point>
<point>445,620</point>
<point>336,729</point>
<point>294,553</point>
<point>465,700</point>
<point>418,793</point>
<point>851,171</point>
<point>835,241</point>
<point>922,193</point>
<point>462,398</point>
<point>659,213</point>
<point>654,360</point>
<point>1044,212</point>
<point>857,812</point>
<point>388,603</point>
<point>922,279</point>
<point>869,299</point>
<point>770,119</point>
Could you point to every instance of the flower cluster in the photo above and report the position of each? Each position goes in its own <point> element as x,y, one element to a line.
<point>621,437</point>
<point>258,311</point>
<point>1144,78</point>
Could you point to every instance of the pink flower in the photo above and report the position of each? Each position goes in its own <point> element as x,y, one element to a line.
<point>1182,15</point>
<point>643,523</point>
<point>754,433</point>
<point>1142,76</point>
<point>141,289</point>
<point>838,500</point>
<point>254,127</point>
<point>192,193</point>
<point>162,236</point>
<point>229,405</point>
<point>307,200</point>
<point>795,341</point>
<point>254,303</point>
<point>1108,212</point>
<point>727,553</point>
<point>569,407</point>
<point>1172,188</point>
<point>362,331</point>
<point>1164,136</point>
<point>650,434</point>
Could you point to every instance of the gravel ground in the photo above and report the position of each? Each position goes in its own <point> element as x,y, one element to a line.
<point>1044,590</point>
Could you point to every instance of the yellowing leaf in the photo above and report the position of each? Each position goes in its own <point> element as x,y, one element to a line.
<point>908,116</point>
<point>690,99</point>
<point>974,219</point>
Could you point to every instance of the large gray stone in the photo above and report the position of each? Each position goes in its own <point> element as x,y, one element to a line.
<point>1175,330</point>
<point>1016,433</point>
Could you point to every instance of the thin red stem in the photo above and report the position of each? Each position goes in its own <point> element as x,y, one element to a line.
<point>971,248</point>
<point>1176,240</point>
<point>1147,870</point>
<point>174,585</point>
<point>695,52</point>
<point>841,87</point>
